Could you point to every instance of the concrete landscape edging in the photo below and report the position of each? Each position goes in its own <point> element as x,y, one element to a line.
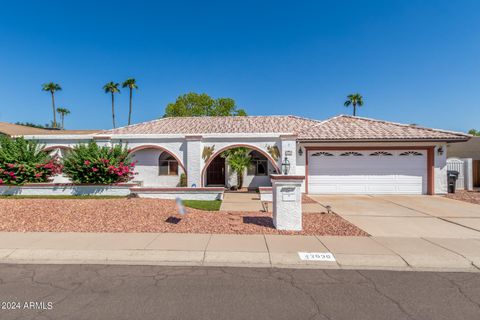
<point>67,189</point>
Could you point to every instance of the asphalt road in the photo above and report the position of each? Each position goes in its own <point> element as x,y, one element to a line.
<point>136,292</point>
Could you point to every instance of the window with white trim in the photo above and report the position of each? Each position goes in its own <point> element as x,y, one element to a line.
<point>167,165</point>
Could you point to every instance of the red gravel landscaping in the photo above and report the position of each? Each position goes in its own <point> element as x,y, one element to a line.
<point>149,215</point>
<point>467,196</point>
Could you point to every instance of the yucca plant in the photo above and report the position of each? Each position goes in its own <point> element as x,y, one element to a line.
<point>23,161</point>
<point>91,163</point>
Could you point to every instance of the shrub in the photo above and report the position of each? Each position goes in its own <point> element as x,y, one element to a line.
<point>90,163</point>
<point>183,180</point>
<point>23,161</point>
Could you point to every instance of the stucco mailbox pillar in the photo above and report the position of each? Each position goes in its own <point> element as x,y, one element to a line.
<point>287,201</point>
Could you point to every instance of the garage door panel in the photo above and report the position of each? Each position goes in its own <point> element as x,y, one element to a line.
<point>391,174</point>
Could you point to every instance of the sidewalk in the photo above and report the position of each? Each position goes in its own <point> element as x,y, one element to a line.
<point>438,254</point>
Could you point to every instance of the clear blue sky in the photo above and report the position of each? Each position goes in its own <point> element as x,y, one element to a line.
<point>413,61</point>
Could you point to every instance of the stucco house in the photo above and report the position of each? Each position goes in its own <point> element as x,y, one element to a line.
<point>340,155</point>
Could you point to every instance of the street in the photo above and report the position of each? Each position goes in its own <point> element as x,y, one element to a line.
<point>158,292</point>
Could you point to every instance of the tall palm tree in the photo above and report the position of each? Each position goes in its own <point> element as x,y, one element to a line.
<point>112,88</point>
<point>131,84</point>
<point>63,112</point>
<point>354,99</point>
<point>52,88</point>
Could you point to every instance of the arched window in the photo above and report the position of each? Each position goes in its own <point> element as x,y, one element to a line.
<point>259,164</point>
<point>167,165</point>
<point>381,154</point>
<point>322,154</point>
<point>411,153</point>
<point>351,154</point>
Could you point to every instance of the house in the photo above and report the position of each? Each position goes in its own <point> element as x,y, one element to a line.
<point>340,155</point>
<point>12,130</point>
<point>468,150</point>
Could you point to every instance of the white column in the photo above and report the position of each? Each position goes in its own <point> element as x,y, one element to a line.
<point>287,202</point>
<point>289,145</point>
<point>194,174</point>
<point>440,169</point>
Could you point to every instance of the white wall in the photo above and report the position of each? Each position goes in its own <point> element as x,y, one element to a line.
<point>147,169</point>
<point>440,170</point>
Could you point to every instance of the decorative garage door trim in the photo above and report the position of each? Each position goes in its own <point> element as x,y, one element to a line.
<point>411,150</point>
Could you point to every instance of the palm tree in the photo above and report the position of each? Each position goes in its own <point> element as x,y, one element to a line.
<point>354,100</point>
<point>131,84</point>
<point>112,88</point>
<point>63,112</point>
<point>52,88</point>
<point>239,160</point>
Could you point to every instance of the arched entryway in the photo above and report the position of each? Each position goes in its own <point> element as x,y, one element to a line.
<point>217,171</point>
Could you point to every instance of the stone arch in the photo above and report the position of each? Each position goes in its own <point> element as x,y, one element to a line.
<point>248,146</point>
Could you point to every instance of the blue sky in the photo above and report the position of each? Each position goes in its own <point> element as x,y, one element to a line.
<point>413,61</point>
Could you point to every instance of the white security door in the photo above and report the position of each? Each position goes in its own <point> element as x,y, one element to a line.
<point>367,172</point>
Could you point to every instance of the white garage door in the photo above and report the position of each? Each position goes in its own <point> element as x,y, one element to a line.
<point>367,172</point>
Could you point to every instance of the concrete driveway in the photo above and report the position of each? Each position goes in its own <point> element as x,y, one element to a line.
<point>407,216</point>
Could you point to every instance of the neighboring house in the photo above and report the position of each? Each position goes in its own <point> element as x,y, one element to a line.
<point>341,155</point>
<point>13,130</point>
<point>468,150</point>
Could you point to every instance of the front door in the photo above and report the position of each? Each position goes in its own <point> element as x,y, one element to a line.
<point>216,172</point>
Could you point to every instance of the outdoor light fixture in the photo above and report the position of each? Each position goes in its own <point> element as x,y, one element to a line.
<point>285,166</point>
<point>300,151</point>
<point>440,150</point>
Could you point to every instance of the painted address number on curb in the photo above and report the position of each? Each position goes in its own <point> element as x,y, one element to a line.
<point>316,256</point>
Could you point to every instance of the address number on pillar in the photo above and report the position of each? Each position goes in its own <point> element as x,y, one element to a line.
<point>316,256</point>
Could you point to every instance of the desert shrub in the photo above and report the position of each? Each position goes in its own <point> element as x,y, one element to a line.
<point>183,180</point>
<point>23,161</point>
<point>91,163</point>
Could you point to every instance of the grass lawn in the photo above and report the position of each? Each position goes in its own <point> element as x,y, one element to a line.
<point>207,205</point>
<point>60,197</point>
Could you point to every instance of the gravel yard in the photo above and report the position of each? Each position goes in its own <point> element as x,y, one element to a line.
<point>467,196</point>
<point>149,215</point>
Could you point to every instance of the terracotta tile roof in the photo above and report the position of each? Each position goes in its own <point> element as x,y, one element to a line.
<point>349,128</point>
<point>218,125</point>
<point>340,128</point>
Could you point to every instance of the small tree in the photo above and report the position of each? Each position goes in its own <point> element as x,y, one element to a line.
<point>23,161</point>
<point>474,132</point>
<point>239,160</point>
<point>91,163</point>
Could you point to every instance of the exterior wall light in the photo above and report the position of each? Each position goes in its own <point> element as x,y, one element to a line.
<point>285,166</point>
<point>440,150</point>
<point>300,151</point>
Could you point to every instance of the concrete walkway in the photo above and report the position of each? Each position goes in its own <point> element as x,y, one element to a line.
<point>439,254</point>
<point>250,201</point>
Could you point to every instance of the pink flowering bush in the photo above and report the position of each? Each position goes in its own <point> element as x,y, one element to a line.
<point>23,161</point>
<point>90,163</point>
